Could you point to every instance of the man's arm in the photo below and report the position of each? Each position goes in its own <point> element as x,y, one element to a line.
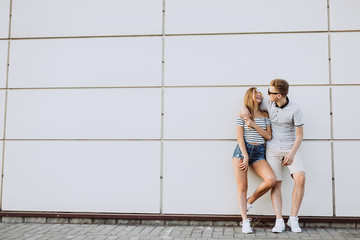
<point>288,160</point>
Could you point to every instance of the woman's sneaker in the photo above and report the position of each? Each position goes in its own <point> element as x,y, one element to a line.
<point>279,226</point>
<point>246,226</point>
<point>293,223</point>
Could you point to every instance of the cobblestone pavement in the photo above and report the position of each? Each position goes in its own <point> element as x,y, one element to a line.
<point>32,231</point>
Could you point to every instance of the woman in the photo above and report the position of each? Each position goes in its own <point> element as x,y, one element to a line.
<point>250,151</point>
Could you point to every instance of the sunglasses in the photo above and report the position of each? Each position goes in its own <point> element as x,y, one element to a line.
<point>269,93</point>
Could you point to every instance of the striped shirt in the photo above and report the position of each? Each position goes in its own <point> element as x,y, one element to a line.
<point>250,134</point>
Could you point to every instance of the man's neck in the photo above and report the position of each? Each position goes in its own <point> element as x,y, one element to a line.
<point>281,102</point>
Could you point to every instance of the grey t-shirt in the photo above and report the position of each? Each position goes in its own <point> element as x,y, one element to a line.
<point>284,120</point>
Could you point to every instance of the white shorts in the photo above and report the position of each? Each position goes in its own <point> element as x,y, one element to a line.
<point>275,156</point>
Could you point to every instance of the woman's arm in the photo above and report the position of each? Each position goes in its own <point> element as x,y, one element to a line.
<point>264,133</point>
<point>240,138</point>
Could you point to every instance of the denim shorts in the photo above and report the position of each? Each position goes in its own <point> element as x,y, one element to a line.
<point>255,152</point>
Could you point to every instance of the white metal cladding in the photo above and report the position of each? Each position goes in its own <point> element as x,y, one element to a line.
<point>345,57</point>
<point>128,113</point>
<point>90,62</point>
<point>2,112</point>
<point>82,176</point>
<point>208,185</point>
<point>346,98</point>
<point>219,16</point>
<point>4,18</point>
<point>210,112</point>
<point>44,18</point>
<point>346,170</point>
<point>235,59</point>
<point>344,15</point>
<point>102,103</point>
<point>3,62</point>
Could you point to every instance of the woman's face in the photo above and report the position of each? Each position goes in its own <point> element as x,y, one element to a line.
<point>257,96</point>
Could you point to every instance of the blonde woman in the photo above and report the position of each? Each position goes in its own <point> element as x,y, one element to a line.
<point>250,151</point>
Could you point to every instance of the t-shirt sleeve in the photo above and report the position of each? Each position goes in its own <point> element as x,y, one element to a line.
<point>264,105</point>
<point>298,119</point>
<point>240,122</point>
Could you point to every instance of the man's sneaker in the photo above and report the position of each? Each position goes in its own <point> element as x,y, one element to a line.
<point>293,223</point>
<point>246,226</point>
<point>249,206</point>
<point>279,226</point>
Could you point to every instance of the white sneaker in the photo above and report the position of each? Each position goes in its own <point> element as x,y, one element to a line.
<point>246,226</point>
<point>279,226</point>
<point>249,206</point>
<point>293,223</point>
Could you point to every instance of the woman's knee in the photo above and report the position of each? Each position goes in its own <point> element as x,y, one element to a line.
<point>271,181</point>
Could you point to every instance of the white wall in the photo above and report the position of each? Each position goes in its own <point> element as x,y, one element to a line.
<point>103,103</point>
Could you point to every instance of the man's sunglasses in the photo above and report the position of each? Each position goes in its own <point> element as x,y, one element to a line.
<point>272,92</point>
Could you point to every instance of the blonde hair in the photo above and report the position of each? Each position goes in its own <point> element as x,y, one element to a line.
<point>249,101</point>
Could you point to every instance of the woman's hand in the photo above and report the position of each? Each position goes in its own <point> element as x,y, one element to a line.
<point>244,164</point>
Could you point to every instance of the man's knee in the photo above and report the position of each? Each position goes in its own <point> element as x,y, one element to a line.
<point>299,178</point>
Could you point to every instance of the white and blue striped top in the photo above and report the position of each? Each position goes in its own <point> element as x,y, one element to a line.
<point>250,134</point>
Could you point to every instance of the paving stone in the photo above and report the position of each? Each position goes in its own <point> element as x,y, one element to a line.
<point>35,220</point>
<point>129,221</point>
<point>57,220</point>
<point>80,220</point>
<point>153,222</point>
<point>12,220</point>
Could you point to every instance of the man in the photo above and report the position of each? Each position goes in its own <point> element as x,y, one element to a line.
<point>281,150</point>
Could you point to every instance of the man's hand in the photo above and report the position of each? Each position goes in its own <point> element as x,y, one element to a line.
<point>289,159</point>
<point>250,123</point>
<point>244,112</point>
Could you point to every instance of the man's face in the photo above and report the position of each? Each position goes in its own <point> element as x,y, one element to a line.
<point>273,94</point>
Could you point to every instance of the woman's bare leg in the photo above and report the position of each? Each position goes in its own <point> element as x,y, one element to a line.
<point>242,185</point>
<point>263,169</point>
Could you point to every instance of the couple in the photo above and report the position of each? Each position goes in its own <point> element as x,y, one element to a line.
<point>279,121</point>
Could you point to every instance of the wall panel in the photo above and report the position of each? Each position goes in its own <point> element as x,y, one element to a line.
<point>1,152</point>
<point>345,58</point>
<point>3,62</point>
<point>4,18</point>
<point>84,114</point>
<point>210,187</point>
<point>345,98</point>
<point>246,59</point>
<point>216,16</point>
<point>2,112</point>
<point>210,112</point>
<point>91,62</point>
<point>344,15</point>
<point>43,18</point>
<point>82,176</point>
<point>346,162</point>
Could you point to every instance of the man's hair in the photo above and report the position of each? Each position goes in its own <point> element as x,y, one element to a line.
<point>281,86</point>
